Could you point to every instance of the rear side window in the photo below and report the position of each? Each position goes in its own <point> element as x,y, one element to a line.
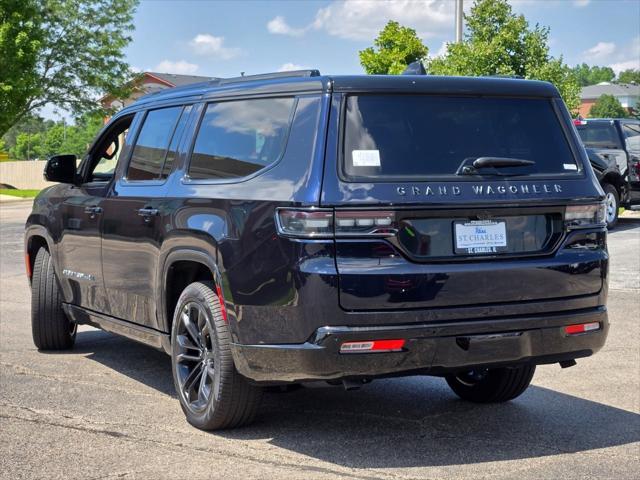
<point>422,136</point>
<point>150,151</point>
<point>599,134</point>
<point>239,138</point>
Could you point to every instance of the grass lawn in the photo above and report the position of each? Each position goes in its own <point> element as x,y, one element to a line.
<point>19,193</point>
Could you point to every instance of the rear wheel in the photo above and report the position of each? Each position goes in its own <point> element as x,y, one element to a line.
<point>612,204</point>
<point>491,385</point>
<point>50,327</point>
<point>213,395</point>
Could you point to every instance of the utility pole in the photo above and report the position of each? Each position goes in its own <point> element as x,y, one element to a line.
<point>458,21</point>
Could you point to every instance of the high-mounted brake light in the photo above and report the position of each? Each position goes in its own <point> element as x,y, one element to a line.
<point>325,223</point>
<point>582,216</point>
<point>377,346</point>
<point>582,328</point>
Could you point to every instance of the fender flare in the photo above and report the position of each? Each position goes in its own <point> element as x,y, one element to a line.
<point>40,231</point>
<point>167,259</point>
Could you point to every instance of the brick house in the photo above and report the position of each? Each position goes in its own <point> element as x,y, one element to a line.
<point>627,94</point>
<point>151,82</point>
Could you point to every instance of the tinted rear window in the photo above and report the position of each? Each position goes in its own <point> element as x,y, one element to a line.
<point>238,138</point>
<point>599,135</point>
<point>420,136</point>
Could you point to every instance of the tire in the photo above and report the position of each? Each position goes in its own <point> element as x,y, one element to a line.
<point>50,327</point>
<point>612,203</point>
<point>217,397</point>
<point>492,385</point>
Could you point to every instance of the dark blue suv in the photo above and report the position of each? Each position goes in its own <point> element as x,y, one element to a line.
<point>285,228</point>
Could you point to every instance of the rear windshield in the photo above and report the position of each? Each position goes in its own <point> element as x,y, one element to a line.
<point>599,135</point>
<point>420,136</point>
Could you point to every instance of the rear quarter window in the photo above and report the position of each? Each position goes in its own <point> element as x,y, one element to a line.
<point>239,138</point>
<point>423,136</point>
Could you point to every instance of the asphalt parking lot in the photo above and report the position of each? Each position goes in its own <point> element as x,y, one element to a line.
<point>107,408</point>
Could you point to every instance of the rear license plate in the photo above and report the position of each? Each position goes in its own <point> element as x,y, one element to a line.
<point>480,237</point>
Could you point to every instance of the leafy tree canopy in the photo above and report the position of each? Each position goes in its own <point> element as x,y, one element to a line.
<point>592,75</point>
<point>71,52</point>
<point>21,38</point>
<point>394,48</point>
<point>499,42</point>
<point>628,76</point>
<point>607,106</point>
<point>35,137</point>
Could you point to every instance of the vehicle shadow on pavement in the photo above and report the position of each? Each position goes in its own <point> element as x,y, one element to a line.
<point>402,422</point>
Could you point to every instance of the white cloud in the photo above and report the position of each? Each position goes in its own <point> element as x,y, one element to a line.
<point>581,3</point>
<point>287,67</point>
<point>442,51</point>
<point>181,67</point>
<point>206,44</point>
<point>628,57</point>
<point>620,66</point>
<point>363,19</point>
<point>279,26</point>
<point>600,50</point>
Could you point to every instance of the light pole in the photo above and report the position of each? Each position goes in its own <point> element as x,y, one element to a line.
<point>458,21</point>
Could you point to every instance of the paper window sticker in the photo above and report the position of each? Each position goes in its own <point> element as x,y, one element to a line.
<point>365,158</point>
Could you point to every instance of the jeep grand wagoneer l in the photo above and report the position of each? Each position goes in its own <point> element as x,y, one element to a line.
<point>283,228</point>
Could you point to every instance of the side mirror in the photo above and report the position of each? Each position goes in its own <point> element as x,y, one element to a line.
<point>61,168</point>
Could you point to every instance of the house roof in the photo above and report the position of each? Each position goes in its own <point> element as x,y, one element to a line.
<point>615,89</point>
<point>175,80</point>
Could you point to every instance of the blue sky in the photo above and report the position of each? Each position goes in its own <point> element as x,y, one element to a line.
<point>224,38</point>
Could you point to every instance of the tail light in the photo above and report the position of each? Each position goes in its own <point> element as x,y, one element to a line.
<point>325,223</point>
<point>582,216</point>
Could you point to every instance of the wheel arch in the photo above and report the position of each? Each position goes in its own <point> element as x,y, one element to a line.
<point>615,179</point>
<point>180,267</point>
<point>36,237</point>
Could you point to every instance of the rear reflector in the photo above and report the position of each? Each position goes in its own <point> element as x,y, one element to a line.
<point>27,261</point>
<point>582,328</point>
<point>372,346</point>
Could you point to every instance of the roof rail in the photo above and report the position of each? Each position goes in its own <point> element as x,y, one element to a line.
<point>269,76</point>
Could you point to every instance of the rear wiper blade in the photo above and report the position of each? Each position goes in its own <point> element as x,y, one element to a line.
<point>499,162</point>
<point>472,166</point>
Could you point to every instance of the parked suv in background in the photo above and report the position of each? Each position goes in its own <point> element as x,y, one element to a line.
<point>285,228</point>
<point>613,147</point>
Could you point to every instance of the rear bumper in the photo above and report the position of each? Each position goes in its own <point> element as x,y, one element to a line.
<point>429,348</point>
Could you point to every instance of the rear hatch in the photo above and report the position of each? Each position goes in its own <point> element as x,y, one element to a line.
<point>420,223</point>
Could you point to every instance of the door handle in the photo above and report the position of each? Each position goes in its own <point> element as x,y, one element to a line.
<point>147,213</point>
<point>93,211</point>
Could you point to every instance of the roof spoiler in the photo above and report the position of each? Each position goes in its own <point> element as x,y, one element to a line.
<point>415,68</point>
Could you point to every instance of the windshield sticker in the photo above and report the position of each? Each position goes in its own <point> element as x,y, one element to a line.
<point>570,166</point>
<point>366,158</point>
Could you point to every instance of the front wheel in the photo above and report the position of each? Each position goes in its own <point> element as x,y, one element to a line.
<point>50,327</point>
<point>612,204</point>
<point>213,395</point>
<point>491,385</point>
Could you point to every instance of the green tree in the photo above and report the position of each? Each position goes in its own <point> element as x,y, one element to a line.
<point>607,106</point>
<point>628,76</point>
<point>80,56</point>
<point>29,146</point>
<point>499,42</point>
<point>21,38</point>
<point>592,75</point>
<point>394,48</point>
